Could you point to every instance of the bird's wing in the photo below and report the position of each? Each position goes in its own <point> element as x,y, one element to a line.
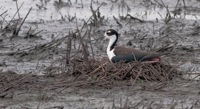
<point>135,54</point>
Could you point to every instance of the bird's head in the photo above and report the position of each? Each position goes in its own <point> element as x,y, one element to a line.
<point>111,34</point>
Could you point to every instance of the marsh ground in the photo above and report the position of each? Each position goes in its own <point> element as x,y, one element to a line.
<point>41,44</point>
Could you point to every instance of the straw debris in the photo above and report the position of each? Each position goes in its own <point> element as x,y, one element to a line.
<point>91,73</point>
<point>104,73</point>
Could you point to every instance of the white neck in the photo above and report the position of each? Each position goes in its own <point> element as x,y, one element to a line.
<point>110,53</point>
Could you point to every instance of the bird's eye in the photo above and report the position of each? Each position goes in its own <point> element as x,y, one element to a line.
<point>108,33</point>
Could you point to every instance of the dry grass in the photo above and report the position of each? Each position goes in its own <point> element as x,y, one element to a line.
<point>91,73</point>
<point>106,74</point>
<point>85,73</point>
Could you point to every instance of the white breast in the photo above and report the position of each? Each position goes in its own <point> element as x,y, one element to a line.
<point>110,54</point>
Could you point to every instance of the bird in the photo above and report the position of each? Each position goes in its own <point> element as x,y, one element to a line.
<point>122,54</point>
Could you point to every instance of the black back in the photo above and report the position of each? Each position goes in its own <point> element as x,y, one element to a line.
<point>130,57</point>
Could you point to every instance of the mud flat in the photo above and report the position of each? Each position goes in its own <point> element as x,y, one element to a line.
<point>38,44</point>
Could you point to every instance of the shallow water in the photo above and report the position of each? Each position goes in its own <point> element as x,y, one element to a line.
<point>50,11</point>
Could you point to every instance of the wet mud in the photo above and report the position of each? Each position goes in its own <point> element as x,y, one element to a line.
<point>42,42</point>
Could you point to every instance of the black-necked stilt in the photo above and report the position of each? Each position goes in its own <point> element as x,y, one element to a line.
<point>118,53</point>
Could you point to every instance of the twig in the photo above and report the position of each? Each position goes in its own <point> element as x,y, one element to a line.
<point>68,51</point>
<point>137,76</point>
<point>92,15</point>
<point>14,84</point>
<point>94,71</point>
<point>184,4</point>
<point>177,4</point>
<point>37,32</point>
<point>117,21</point>
<point>85,51</point>
<point>163,3</point>
<point>15,33</point>
<point>168,16</point>
<point>17,11</point>
<point>4,12</point>
<point>134,18</point>
<point>90,41</point>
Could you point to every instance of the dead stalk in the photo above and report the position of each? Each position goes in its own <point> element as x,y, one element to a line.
<point>17,11</point>
<point>68,51</point>
<point>4,12</point>
<point>117,21</point>
<point>16,32</point>
<point>184,4</point>
<point>90,41</point>
<point>85,50</point>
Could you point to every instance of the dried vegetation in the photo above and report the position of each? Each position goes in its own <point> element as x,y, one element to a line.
<point>81,69</point>
<point>91,73</point>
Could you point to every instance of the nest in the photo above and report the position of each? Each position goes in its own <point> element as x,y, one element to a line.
<point>104,73</point>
